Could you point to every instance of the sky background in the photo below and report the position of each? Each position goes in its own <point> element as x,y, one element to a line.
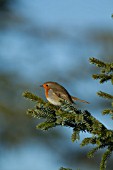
<point>52,40</point>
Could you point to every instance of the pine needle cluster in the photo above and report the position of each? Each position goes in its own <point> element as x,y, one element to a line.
<point>106,73</point>
<point>106,70</point>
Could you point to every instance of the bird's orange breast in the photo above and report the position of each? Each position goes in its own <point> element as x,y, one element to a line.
<point>46,90</point>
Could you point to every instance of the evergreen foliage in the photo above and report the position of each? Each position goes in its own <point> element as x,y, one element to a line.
<point>80,121</point>
<point>106,73</point>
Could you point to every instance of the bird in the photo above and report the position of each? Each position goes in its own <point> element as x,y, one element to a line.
<point>56,93</point>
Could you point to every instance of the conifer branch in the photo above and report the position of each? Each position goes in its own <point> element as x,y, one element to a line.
<point>97,62</point>
<point>75,135</point>
<point>105,95</point>
<point>105,157</point>
<point>106,73</point>
<point>80,121</point>
<point>102,77</point>
<point>108,111</point>
<point>92,152</point>
<point>106,67</point>
<point>32,97</point>
<point>68,115</point>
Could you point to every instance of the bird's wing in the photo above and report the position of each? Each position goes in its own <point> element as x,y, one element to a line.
<point>75,98</point>
<point>63,96</point>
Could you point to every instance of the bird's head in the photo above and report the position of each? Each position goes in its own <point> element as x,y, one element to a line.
<point>50,85</point>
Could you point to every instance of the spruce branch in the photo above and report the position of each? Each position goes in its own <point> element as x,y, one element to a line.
<point>106,73</point>
<point>105,95</point>
<point>45,125</point>
<point>32,97</point>
<point>106,70</point>
<point>68,115</point>
<point>92,152</point>
<point>75,135</point>
<point>108,111</point>
<point>104,159</point>
<point>97,62</point>
<point>105,67</point>
<point>80,121</point>
<point>86,141</point>
<point>103,77</point>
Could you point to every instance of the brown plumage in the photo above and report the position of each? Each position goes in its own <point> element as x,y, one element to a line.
<point>54,93</point>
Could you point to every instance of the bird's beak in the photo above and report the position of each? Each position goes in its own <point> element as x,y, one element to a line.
<point>41,85</point>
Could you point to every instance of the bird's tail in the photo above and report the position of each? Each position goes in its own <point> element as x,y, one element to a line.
<point>75,98</point>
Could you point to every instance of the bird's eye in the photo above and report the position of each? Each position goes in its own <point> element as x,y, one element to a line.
<point>46,85</point>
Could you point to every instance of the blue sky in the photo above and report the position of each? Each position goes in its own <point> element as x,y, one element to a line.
<point>70,13</point>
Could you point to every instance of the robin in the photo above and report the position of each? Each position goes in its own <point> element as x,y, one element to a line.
<point>55,93</point>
